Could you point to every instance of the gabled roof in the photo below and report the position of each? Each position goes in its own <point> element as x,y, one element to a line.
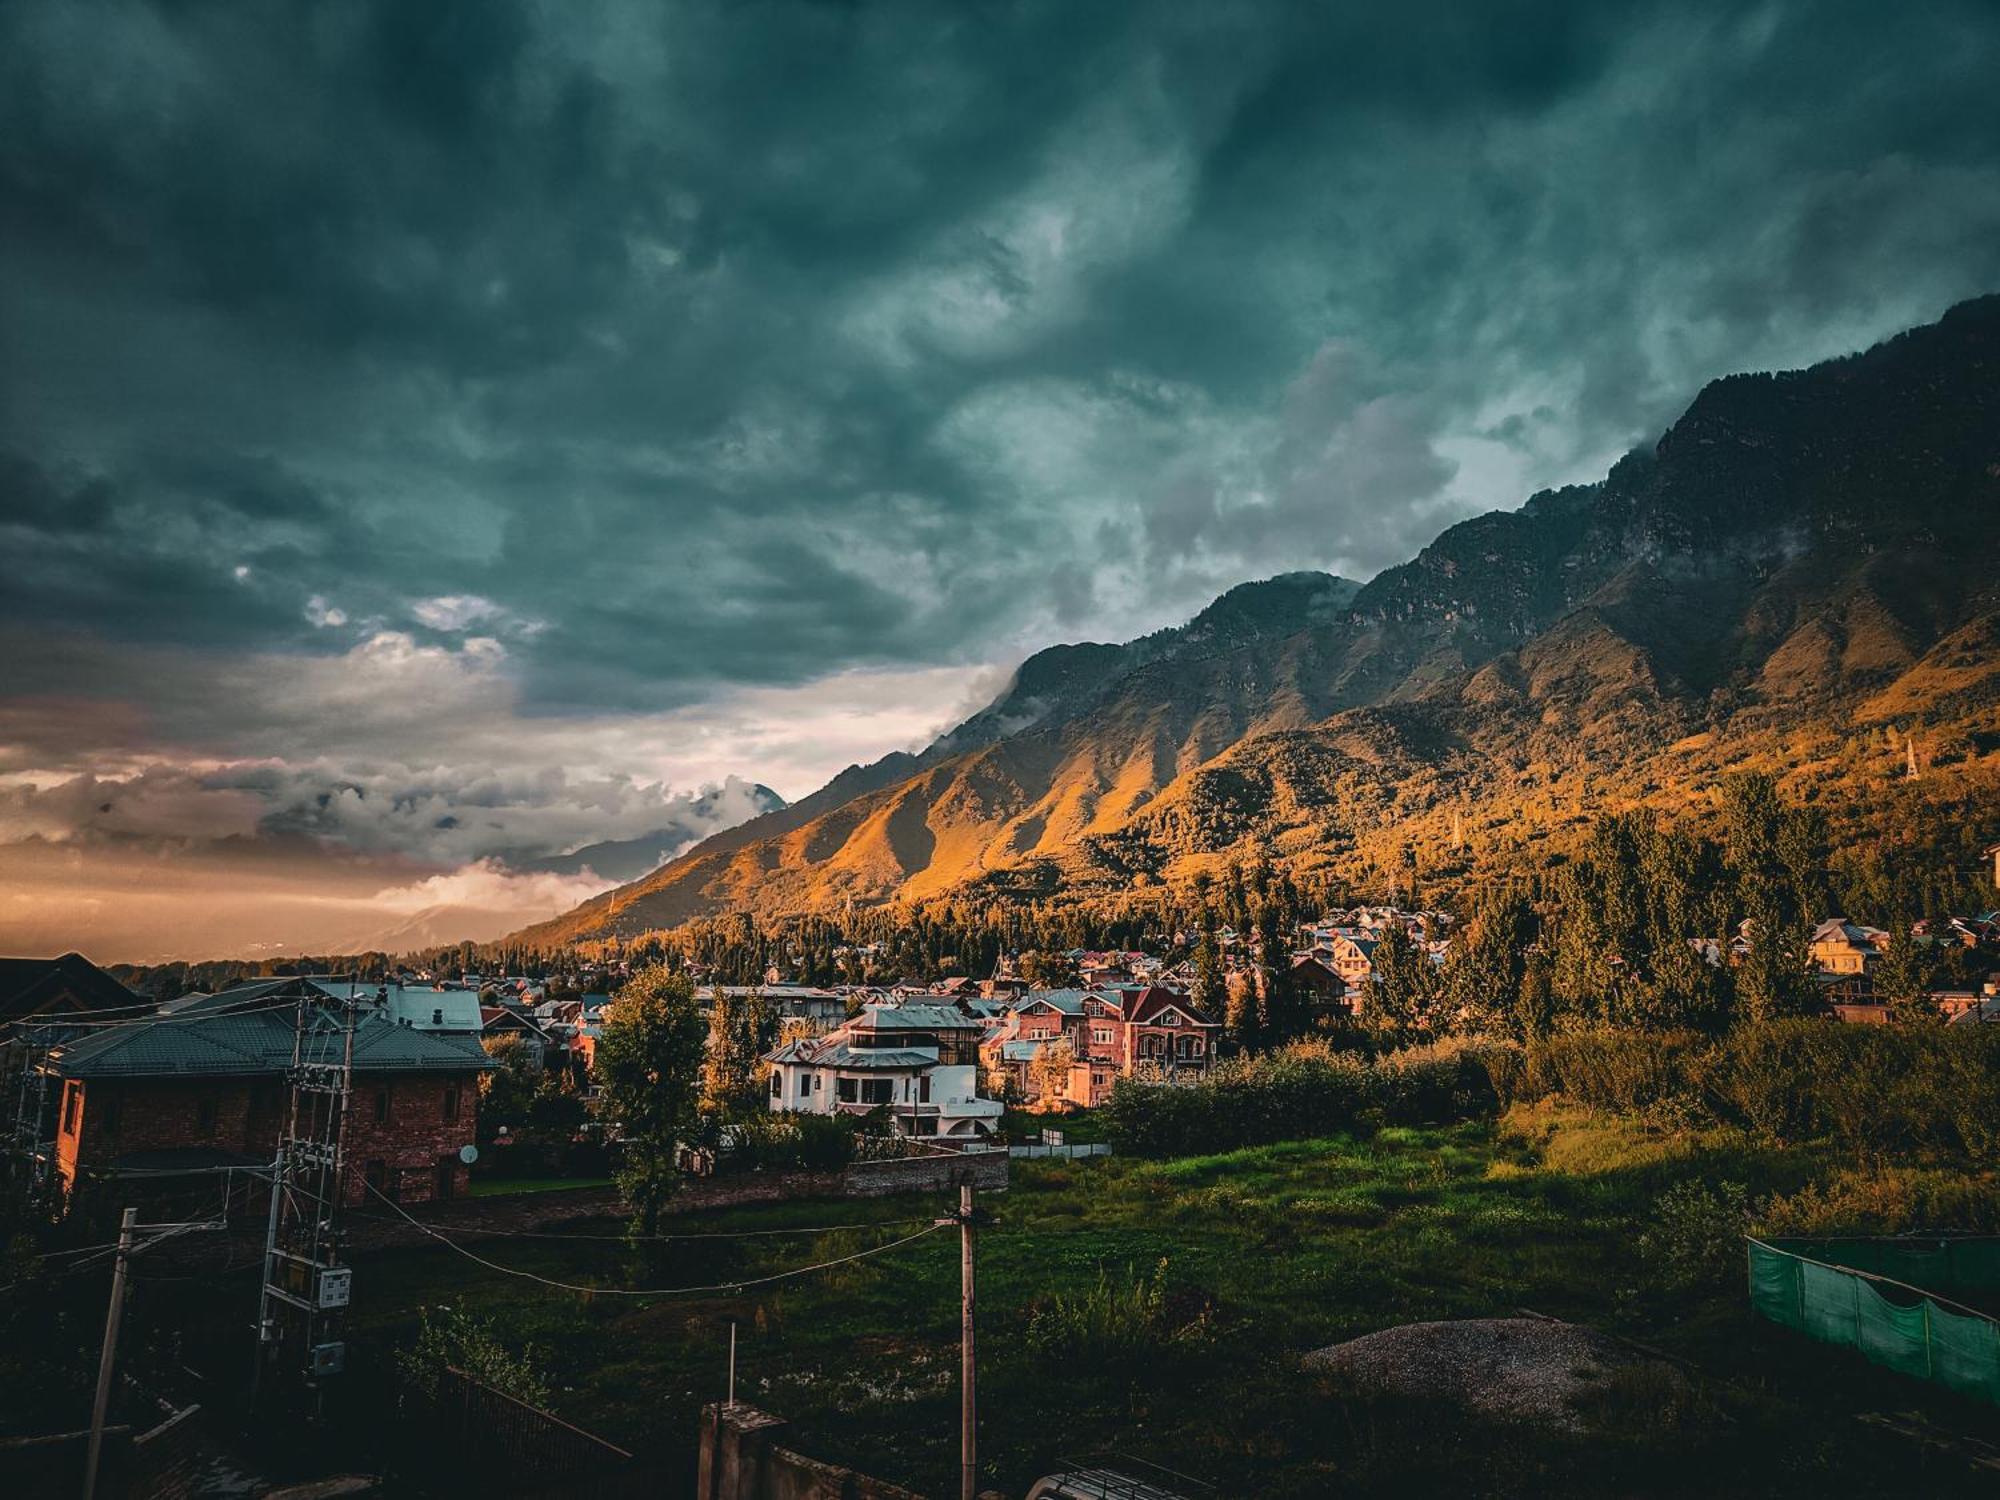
<point>1064,1002</point>
<point>257,1043</point>
<point>1142,1006</point>
<point>71,983</point>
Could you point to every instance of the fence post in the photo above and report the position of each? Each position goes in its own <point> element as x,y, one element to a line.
<point>1930,1360</point>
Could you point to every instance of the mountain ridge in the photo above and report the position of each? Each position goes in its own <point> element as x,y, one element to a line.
<point>1791,545</point>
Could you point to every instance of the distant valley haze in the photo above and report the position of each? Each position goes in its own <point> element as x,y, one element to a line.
<point>456,458</point>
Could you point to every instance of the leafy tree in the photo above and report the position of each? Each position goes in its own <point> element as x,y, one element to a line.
<point>1482,978</point>
<point>736,1041</point>
<point>507,1093</point>
<point>1047,971</point>
<point>1209,993</point>
<point>1283,1011</point>
<point>1050,1070</point>
<point>649,1064</point>
<point>1775,979</point>
<point>1905,977</point>
<point>1404,992</point>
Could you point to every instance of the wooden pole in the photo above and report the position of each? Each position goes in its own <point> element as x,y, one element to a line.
<point>108,1358</point>
<point>968,1425</point>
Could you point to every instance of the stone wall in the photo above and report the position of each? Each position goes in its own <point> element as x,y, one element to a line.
<point>985,1170</point>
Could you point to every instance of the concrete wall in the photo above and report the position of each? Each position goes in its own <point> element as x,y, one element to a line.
<point>985,1170</point>
<point>743,1457</point>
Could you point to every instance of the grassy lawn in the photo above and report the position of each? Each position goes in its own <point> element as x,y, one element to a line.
<point>1261,1255</point>
<point>498,1187</point>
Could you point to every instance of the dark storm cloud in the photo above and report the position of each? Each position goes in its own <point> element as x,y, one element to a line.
<point>638,353</point>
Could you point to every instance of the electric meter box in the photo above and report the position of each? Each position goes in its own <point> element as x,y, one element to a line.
<point>328,1359</point>
<point>336,1286</point>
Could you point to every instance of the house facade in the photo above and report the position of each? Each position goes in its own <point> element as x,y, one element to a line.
<point>203,1088</point>
<point>918,1063</point>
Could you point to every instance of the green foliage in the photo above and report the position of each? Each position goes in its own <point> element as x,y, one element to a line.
<point>741,1029</point>
<point>455,1338</point>
<point>1306,1089</point>
<point>1874,1090</point>
<point>783,1141</point>
<point>1696,1239</point>
<point>1405,1000</point>
<point>506,1093</point>
<point>649,1064</point>
<point>1113,1328</point>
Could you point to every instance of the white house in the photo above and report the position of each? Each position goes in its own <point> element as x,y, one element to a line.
<point>919,1062</point>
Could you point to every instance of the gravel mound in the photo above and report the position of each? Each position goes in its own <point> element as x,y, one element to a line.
<point>1518,1368</point>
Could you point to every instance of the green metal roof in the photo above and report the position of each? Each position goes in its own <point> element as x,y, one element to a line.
<point>258,1044</point>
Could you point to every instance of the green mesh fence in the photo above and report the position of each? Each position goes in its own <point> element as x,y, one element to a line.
<point>1891,1321</point>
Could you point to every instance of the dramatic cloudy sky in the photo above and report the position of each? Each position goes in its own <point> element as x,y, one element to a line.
<point>438,435</point>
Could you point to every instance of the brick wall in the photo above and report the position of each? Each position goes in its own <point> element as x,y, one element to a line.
<point>416,1142</point>
<point>403,1124</point>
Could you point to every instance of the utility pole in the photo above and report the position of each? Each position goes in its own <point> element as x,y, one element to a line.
<point>968,1419</point>
<point>109,1357</point>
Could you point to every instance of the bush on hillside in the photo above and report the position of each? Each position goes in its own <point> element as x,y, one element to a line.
<point>1306,1089</point>
<point>1878,1090</point>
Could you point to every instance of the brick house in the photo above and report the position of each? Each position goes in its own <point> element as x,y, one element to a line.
<point>201,1088</point>
<point>1143,1030</point>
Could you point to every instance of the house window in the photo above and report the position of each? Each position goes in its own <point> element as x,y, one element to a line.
<point>444,1183</point>
<point>450,1102</point>
<point>778,1086</point>
<point>72,1106</point>
<point>877,1090</point>
<point>376,1175</point>
<point>1101,1035</point>
<point>382,1105</point>
<point>807,1083</point>
<point>924,1089</point>
<point>845,1090</point>
<point>109,1110</point>
<point>204,1114</point>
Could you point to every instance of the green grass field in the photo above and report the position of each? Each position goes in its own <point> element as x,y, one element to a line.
<point>1259,1255</point>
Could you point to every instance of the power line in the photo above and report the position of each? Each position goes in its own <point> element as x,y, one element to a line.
<point>662,1239</point>
<point>668,1291</point>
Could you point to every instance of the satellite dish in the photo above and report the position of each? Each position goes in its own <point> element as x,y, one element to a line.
<point>468,1154</point>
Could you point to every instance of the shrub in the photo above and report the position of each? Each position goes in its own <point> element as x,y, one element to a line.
<point>1307,1089</point>
<point>1116,1328</point>
<point>783,1142</point>
<point>1877,1090</point>
<point>451,1336</point>
<point>1696,1239</point>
